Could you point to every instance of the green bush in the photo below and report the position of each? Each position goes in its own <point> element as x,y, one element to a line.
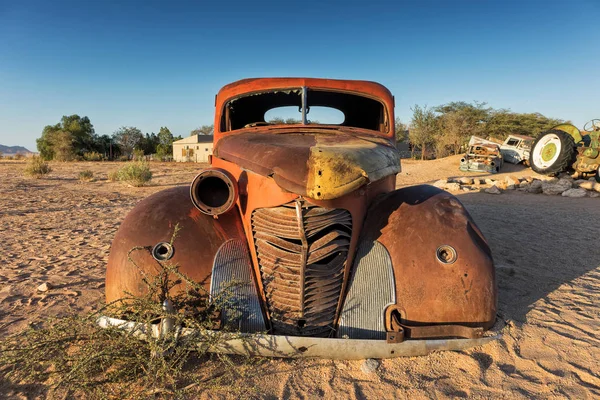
<point>86,176</point>
<point>135,173</point>
<point>37,167</point>
<point>113,176</point>
<point>138,154</point>
<point>92,156</point>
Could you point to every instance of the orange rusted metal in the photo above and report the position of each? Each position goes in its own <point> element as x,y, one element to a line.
<point>306,196</point>
<point>255,85</point>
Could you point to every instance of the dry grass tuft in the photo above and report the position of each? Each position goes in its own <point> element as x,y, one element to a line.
<point>37,167</point>
<point>74,357</point>
<point>86,176</point>
<point>135,173</point>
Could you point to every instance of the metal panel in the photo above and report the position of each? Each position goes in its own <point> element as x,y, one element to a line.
<point>310,347</point>
<point>232,285</point>
<point>371,290</point>
<point>302,251</point>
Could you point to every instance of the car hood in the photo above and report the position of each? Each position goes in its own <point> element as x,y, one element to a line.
<point>319,164</point>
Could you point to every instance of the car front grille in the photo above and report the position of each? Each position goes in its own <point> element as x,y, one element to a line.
<point>302,251</point>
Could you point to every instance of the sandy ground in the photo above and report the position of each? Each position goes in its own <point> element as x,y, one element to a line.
<point>59,230</point>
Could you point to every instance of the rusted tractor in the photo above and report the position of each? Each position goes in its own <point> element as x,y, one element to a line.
<point>338,263</point>
<point>565,149</point>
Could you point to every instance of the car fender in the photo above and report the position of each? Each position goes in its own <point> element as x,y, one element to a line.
<point>151,222</point>
<point>413,224</point>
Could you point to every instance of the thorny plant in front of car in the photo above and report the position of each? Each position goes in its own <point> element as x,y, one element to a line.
<point>73,356</point>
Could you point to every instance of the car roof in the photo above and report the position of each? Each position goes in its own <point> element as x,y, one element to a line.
<point>264,84</point>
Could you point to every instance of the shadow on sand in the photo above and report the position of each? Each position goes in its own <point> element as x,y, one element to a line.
<point>538,242</point>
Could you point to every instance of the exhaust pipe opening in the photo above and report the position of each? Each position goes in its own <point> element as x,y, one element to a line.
<point>214,191</point>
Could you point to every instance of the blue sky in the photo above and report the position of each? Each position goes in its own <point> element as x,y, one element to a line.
<point>159,63</point>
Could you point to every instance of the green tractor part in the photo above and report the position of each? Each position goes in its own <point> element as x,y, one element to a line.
<point>565,149</point>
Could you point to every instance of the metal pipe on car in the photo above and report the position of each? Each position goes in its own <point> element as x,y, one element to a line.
<point>214,191</point>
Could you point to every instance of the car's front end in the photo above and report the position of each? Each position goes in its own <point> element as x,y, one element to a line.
<point>334,261</point>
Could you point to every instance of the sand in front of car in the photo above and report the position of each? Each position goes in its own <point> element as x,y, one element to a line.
<point>59,230</point>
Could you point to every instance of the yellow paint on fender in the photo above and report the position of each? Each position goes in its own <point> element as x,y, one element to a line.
<point>571,130</point>
<point>339,168</point>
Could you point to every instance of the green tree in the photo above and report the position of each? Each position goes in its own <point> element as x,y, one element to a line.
<point>401,130</point>
<point>73,133</point>
<point>423,128</point>
<point>459,121</point>
<point>103,144</point>
<point>149,143</point>
<point>128,138</point>
<point>165,143</point>
<point>203,130</point>
<point>504,122</point>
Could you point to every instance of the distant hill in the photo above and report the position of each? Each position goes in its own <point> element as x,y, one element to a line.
<point>12,150</point>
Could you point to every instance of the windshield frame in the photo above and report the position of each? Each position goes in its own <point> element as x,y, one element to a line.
<point>304,101</point>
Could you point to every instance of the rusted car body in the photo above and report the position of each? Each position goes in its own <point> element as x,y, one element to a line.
<point>481,156</point>
<point>338,263</point>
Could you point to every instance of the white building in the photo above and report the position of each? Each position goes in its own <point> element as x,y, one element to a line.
<point>195,148</point>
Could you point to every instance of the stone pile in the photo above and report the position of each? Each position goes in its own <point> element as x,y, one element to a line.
<point>564,185</point>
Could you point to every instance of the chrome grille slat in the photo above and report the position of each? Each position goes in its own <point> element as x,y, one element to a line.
<point>302,251</point>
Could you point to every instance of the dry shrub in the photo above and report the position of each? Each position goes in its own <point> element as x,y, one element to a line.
<point>135,173</point>
<point>138,155</point>
<point>113,176</point>
<point>86,176</point>
<point>75,358</point>
<point>37,167</point>
<point>92,156</point>
<point>19,156</point>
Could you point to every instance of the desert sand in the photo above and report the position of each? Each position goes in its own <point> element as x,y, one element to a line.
<point>59,230</point>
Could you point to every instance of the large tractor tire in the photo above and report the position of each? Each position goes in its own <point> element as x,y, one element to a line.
<point>552,152</point>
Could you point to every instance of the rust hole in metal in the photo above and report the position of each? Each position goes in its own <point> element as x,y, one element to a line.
<point>301,323</point>
<point>446,254</point>
<point>302,349</point>
<point>163,251</point>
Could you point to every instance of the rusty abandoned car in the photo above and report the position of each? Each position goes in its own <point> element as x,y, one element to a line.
<point>482,156</point>
<point>337,262</point>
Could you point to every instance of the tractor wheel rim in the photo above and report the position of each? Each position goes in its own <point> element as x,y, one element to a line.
<point>546,151</point>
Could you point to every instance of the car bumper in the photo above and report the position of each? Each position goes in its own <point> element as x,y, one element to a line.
<point>305,347</point>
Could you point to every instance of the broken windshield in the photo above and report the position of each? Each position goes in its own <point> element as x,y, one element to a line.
<point>304,106</point>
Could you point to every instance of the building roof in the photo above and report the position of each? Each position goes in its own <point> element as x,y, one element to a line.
<point>193,139</point>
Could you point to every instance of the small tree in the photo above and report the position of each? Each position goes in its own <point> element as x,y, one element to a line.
<point>128,138</point>
<point>74,135</point>
<point>423,128</point>
<point>165,143</point>
<point>62,145</point>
